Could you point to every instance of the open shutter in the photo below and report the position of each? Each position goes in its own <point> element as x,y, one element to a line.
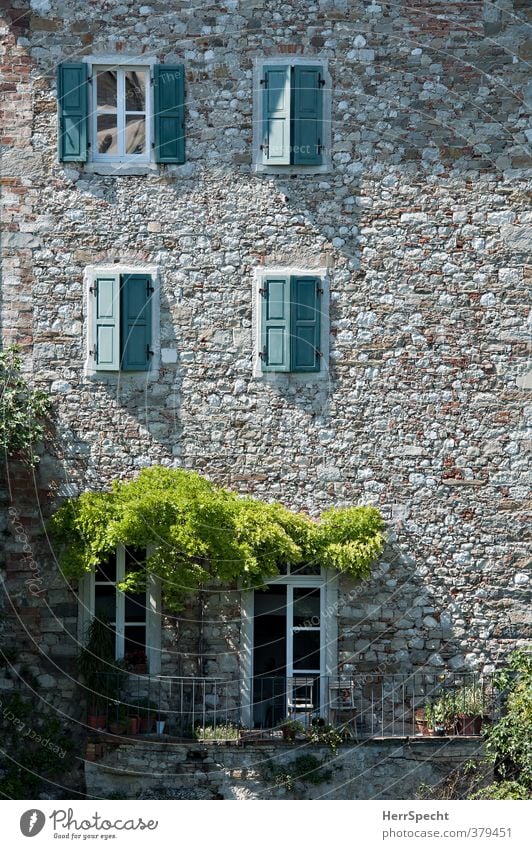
<point>276,115</point>
<point>72,96</point>
<point>308,115</point>
<point>305,323</point>
<point>275,324</point>
<point>169,113</point>
<point>136,295</point>
<point>106,323</point>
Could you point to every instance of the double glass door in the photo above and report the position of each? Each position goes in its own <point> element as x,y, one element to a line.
<point>288,651</point>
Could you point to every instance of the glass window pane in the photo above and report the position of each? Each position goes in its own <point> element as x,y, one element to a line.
<point>107,571</point>
<point>135,91</point>
<point>307,650</point>
<point>106,89</point>
<point>306,607</point>
<point>135,134</point>
<point>135,607</point>
<point>106,141</point>
<point>105,603</point>
<point>134,640</point>
<point>135,559</point>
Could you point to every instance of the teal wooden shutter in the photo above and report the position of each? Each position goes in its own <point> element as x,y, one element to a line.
<point>308,115</point>
<point>136,294</point>
<point>275,324</point>
<point>169,113</point>
<point>106,323</point>
<point>305,351</point>
<point>72,95</point>
<point>276,115</point>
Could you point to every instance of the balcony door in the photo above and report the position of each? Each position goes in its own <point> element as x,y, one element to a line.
<point>288,649</point>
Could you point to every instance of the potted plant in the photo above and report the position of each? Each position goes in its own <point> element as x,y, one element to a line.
<point>160,723</point>
<point>440,715</point>
<point>291,727</point>
<point>97,666</point>
<point>470,706</point>
<point>97,715</point>
<point>420,720</point>
<point>133,723</point>
<point>118,719</point>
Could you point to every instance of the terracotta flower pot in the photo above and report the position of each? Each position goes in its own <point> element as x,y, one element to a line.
<point>98,721</point>
<point>468,725</point>
<point>133,724</point>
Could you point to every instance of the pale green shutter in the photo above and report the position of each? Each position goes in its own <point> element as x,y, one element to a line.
<point>106,323</point>
<point>305,351</point>
<point>308,115</point>
<point>72,97</point>
<point>276,115</point>
<point>275,324</point>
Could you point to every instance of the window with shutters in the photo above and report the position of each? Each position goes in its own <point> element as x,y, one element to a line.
<point>115,113</point>
<point>292,102</point>
<point>123,318</point>
<point>291,321</point>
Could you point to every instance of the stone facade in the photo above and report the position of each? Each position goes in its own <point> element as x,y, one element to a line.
<point>376,770</point>
<point>424,226</point>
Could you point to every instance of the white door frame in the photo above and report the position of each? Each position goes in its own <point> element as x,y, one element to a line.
<point>326,581</point>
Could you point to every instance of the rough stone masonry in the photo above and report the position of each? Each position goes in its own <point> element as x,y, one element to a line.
<point>424,226</point>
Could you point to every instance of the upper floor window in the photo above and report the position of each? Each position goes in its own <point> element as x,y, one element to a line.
<point>291,321</point>
<point>121,113</point>
<point>293,126</point>
<point>123,319</point>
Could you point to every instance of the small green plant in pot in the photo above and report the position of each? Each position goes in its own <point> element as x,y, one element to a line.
<point>470,707</point>
<point>291,727</point>
<point>439,715</point>
<point>102,676</point>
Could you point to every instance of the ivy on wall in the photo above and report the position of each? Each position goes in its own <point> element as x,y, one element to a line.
<point>22,409</point>
<point>201,533</point>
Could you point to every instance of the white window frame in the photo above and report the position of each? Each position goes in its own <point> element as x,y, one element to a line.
<point>132,163</point>
<point>86,608</point>
<point>258,74</point>
<point>260,274</point>
<point>90,275</point>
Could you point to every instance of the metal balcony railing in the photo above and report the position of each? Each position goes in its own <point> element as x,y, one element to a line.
<point>360,706</point>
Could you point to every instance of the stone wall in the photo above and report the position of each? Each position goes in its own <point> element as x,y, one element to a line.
<point>423,223</point>
<point>375,770</point>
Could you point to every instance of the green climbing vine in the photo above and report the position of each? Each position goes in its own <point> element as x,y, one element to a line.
<point>200,533</point>
<point>22,409</point>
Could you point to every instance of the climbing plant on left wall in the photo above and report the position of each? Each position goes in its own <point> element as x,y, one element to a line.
<point>22,409</point>
<point>200,533</point>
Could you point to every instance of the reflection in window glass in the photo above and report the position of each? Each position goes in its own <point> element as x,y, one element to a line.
<point>107,134</point>
<point>106,89</point>
<point>135,134</point>
<point>135,91</point>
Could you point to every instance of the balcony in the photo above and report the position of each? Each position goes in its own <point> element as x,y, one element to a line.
<point>359,707</point>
